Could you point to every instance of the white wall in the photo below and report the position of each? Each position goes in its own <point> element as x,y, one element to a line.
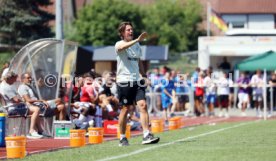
<point>238,46</point>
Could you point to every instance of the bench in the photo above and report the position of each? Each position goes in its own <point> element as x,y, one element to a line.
<point>19,125</point>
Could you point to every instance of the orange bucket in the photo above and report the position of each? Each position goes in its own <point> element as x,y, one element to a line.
<point>156,126</point>
<point>16,146</point>
<point>162,125</point>
<point>95,135</point>
<point>127,131</point>
<point>179,121</point>
<point>173,123</point>
<point>77,138</point>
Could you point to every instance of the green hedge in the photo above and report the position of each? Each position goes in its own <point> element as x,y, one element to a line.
<point>5,56</point>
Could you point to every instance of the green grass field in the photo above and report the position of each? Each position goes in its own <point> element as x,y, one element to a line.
<point>252,141</point>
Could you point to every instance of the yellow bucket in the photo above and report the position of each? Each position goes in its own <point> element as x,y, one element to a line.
<point>95,135</point>
<point>16,146</point>
<point>77,138</point>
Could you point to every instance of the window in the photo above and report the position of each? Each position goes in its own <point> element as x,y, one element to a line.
<point>238,24</point>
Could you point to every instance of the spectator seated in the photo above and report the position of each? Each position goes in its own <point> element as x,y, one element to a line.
<point>20,114</point>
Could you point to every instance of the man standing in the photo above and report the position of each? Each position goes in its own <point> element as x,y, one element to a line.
<point>131,88</point>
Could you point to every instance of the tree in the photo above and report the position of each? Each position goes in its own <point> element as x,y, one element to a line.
<point>174,23</point>
<point>22,21</point>
<point>97,23</point>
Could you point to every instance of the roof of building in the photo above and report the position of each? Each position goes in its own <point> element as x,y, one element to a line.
<point>107,53</point>
<point>244,6</point>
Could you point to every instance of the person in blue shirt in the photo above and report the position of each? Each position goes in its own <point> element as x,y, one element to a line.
<point>182,90</point>
<point>167,95</point>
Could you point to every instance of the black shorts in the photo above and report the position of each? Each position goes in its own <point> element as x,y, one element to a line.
<point>199,98</point>
<point>231,90</point>
<point>131,92</point>
<point>183,98</point>
<point>19,109</point>
<point>43,110</point>
<point>223,100</point>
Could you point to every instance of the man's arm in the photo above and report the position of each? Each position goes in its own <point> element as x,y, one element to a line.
<point>15,99</point>
<point>28,99</point>
<point>124,45</point>
<point>11,95</point>
<point>141,69</point>
<point>167,93</point>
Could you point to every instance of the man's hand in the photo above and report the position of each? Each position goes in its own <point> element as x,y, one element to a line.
<point>145,81</point>
<point>46,103</point>
<point>142,36</point>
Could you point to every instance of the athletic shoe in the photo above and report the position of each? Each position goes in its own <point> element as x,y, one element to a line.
<point>124,142</point>
<point>172,115</point>
<point>150,139</point>
<point>243,114</point>
<point>87,134</point>
<point>226,115</point>
<point>166,123</point>
<point>34,135</point>
<point>220,114</point>
<point>44,134</point>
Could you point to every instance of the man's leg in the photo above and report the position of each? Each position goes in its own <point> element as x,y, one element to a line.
<point>122,125</point>
<point>61,111</point>
<point>34,111</point>
<point>144,117</point>
<point>123,119</point>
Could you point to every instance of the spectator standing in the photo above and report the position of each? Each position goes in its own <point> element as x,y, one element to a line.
<point>272,84</point>
<point>257,83</point>
<point>243,84</point>
<point>225,65</point>
<point>224,85</point>
<point>199,94</point>
<point>210,93</point>
<point>167,95</point>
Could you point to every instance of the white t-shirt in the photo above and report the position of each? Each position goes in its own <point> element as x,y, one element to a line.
<point>23,89</point>
<point>256,81</point>
<point>223,86</point>
<point>128,63</point>
<point>8,92</point>
<point>209,85</point>
<point>5,71</point>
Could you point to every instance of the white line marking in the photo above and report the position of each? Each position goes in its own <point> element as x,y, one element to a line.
<point>180,140</point>
<point>215,120</point>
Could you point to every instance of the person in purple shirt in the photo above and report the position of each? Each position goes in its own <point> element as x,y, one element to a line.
<point>243,84</point>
